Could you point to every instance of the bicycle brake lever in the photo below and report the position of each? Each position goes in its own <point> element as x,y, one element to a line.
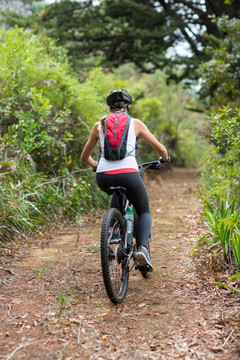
<point>155,165</point>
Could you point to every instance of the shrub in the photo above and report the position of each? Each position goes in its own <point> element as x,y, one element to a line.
<point>224,224</point>
<point>220,181</point>
<point>45,113</point>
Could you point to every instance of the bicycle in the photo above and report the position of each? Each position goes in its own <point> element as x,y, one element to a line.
<point>119,243</point>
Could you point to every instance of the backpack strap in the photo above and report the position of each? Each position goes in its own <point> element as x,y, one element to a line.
<point>99,153</point>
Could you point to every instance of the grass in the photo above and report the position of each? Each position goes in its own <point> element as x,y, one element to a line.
<point>223,226</point>
<point>236,245</point>
<point>41,272</point>
<point>28,200</point>
<point>63,301</point>
<point>94,248</point>
<point>230,287</point>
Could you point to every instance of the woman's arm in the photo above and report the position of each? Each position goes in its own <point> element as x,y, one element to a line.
<point>142,130</point>
<point>88,148</point>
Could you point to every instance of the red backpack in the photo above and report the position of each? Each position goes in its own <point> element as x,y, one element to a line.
<point>116,126</point>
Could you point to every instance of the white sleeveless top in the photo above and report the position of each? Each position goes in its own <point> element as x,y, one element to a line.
<point>129,162</point>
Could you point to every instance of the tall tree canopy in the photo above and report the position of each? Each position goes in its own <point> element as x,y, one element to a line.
<point>117,32</point>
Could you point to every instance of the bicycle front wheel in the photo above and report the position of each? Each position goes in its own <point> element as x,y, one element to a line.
<point>114,269</point>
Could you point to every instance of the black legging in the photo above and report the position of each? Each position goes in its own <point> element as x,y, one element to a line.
<point>136,194</point>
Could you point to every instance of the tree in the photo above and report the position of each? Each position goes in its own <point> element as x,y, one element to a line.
<point>116,32</point>
<point>221,74</point>
<point>109,33</point>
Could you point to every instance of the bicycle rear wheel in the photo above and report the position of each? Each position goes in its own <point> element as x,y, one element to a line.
<point>113,260</point>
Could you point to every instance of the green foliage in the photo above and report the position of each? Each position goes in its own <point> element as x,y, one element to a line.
<point>111,33</point>
<point>38,86</point>
<point>28,198</point>
<point>221,172</point>
<point>116,32</point>
<point>41,272</point>
<point>164,109</point>
<point>223,220</point>
<point>236,244</point>
<point>230,287</point>
<point>44,104</point>
<point>220,167</point>
<point>45,114</point>
<point>63,301</point>
<point>221,74</point>
<point>227,286</point>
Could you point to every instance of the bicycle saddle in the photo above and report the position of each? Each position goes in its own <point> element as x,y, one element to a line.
<point>116,190</point>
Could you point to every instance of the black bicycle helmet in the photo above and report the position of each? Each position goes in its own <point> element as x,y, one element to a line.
<point>119,95</point>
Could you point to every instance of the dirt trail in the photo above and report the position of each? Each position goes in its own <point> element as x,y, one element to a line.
<point>53,303</point>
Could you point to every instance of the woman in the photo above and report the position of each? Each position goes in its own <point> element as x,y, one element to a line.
<point>125,172</point>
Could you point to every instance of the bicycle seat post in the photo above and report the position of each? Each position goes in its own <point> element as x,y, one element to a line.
<point>120,192</point>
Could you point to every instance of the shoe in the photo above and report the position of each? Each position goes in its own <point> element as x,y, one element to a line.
<point>143,258</point>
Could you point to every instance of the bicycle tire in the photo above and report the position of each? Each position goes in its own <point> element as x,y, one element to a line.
<point>114,270</point>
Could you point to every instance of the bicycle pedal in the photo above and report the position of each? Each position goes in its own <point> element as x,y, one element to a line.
<point>144,268</point>
<point>141,268</point>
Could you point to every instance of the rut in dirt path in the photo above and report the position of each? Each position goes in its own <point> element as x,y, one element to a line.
<point>53,304</point>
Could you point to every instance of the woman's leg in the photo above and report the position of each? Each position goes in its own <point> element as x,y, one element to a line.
<point>137,195</point>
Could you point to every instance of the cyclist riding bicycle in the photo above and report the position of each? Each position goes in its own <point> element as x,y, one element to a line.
<point>124,172</point>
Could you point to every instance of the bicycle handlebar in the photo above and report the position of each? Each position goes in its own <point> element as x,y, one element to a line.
<point>153,165</point>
